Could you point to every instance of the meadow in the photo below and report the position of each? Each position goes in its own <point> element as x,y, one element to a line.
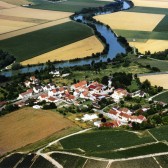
<point>161,64</point>
<point>29,45</point>
<point>30,125</point>
<point>162,97</point>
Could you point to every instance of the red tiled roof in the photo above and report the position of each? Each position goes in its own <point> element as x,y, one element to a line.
<point>125,115</point>
<point>52,99</point>
<point>113,112</point>
<point>80,84</point>
<point>45,95</point>
<point>141,117</point>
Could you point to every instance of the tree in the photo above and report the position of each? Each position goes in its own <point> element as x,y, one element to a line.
<point>103,120</point>
<point>16,66</point>
<point>105,80</point>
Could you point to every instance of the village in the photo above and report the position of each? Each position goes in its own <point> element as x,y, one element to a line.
<point>87,97</point>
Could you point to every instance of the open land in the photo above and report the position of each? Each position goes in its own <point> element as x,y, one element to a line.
<point>27,126</point>
<point>75,50</point>
<point>151,45</point>
<point>18,2</point>
<point>26,46</point>
<point>162,97</point>
<point>18,18</point>
<point>68,6</point>
<point>151,3</point>
<point>130,20</point>
<point>149,36</point>
<point>158,80</point>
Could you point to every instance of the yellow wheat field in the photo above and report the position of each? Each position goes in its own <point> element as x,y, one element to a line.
<point>151,45</point>
<point>151,3</point>
<point>9,25</point>
<point>34,13</point>
<point>33,28</point>
<point>78,49</point>
<point>13,18</point>
<point>131,20</point>
<point>4,5</point>
<point>17,2</point>
<point>158,80</point>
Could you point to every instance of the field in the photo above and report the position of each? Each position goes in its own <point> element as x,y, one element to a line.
<point>148,36</point>
<point>160,133</point>
<point>14,18</point>
<point>27,126</point>
<point>162,97</point>
<point>69,6</point>
<point>158,80</point>
<point>133,21</point>
<point>68,161</point>
<point>102,142</point>
<point>151,3</point>
<point>78,49</point>
<point>137,163</point>
<point>32,44</point>
<point>18,2</point>
<point>161,64</point>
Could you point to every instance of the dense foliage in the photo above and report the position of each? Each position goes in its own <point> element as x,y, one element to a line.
<point>5,59</point>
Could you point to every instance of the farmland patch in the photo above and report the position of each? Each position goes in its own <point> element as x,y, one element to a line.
<point>75,50</point>
<point>158,80</point>
<point>162,97</point>
<point>138,163</point>
<point>68,161</point>
<point>26,46</point>
<point>133,21</point>
<point>30,125</point>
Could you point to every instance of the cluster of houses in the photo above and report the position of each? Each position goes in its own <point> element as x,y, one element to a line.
<point>93,91</point>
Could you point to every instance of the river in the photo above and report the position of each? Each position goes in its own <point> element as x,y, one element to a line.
<point>114,49</point>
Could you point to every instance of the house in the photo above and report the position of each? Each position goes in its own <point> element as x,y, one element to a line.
<point>97,123</point>
<point>113,114</point>
<point>54,92</point>
<point>27,83</point>
<point>125,110</point>
<point>37,89</point>
<point>84,94</point>
<point>26,94</point>
<point>89,117</point>
<point>55,73</point>
<point>69,98</point>
<point>52,99</point>
<point>139,93</point>
<point>43,97</point>
<point>79,85</point>
<point>20,104</point>
<point>76,93</point>
<point>119,94</point>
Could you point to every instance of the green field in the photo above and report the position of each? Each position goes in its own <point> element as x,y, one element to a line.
<point>162,97</point>
<point>142,36</point>
<point>35,43</point>
<point>163,160</point>
<point>136,163</point>
<point>163,25</point>
<point>149,10</point>
<point>68,161</point>
<point>97,142</point>
<point>95,164</point>
<point>160,133</point>
<point>162,65</point>
<point>68,6</point>
<point>138,151</point>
